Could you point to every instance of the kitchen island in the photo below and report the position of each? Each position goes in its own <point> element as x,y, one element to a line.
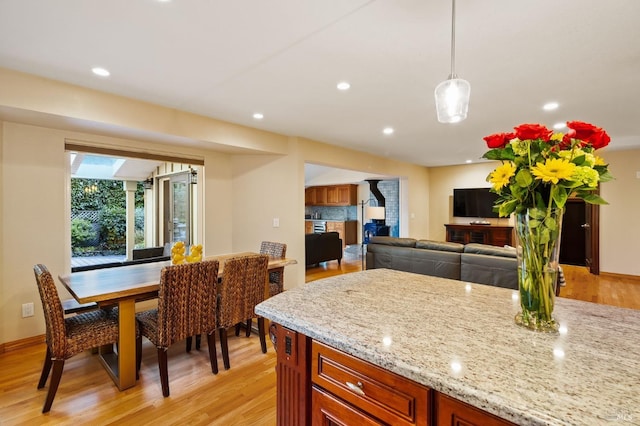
<point>455,343</point>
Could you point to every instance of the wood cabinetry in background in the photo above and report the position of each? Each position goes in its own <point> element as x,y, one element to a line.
<point>483,234</point>
<point>348,231</point>
<point>332,195</point>
<point>315,196</point>
<point>308,227</point>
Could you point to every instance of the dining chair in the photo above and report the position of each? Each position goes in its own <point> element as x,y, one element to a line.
<point>241,290</point>
<point>66,337</point>
<point>276,276</point>
<point>187,303</point>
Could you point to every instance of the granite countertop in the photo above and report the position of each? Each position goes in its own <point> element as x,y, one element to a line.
<point>460,339</point>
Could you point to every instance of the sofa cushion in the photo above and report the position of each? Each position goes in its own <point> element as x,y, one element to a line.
<point>393,241</point>
<point>490,250</point>
<point>499,271</point>
<point>440,245</point>
<point>437,263</point>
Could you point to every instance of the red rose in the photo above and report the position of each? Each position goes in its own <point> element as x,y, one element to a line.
<point>599,139</point>
<point>532,131</point>
<point>498,140</point>
<point>590,134</point>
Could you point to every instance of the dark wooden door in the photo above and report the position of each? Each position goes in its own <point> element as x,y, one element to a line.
<point>573,245</point>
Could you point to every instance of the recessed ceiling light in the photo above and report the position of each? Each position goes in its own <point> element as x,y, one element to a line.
<point>258,116</point>
<point>560,125</point>
<point>102,72</point>
<point>388,130</point>
<point>469,161</point>
<point>550,106</point>
<point>343,85</point>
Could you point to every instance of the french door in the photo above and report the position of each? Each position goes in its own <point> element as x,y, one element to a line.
<point>176,209</point>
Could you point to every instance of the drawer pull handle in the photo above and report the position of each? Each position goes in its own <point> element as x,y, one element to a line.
<point>357,388</point>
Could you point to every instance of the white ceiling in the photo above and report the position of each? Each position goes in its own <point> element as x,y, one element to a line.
<point>229,59</point>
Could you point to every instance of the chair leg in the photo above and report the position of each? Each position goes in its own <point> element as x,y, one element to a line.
<point>213,357</point>
<point>58,366</point>
<point>198,340</point>
<point>189,344</point>
<point>46,368</point>
<point>164,373</point>
<point>225,348</point>
<point>248,331</point>
<point>138,355</point>
<point>263,339</point>
<point>238,327</point>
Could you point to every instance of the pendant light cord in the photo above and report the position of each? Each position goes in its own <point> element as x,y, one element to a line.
<point>453,40</point>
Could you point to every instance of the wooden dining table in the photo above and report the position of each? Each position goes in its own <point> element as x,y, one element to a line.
<point>123,286</point>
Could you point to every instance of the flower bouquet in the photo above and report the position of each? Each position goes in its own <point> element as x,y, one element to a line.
<point>539,171</point>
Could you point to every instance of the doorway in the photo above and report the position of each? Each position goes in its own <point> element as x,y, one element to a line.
<point>580,235</point>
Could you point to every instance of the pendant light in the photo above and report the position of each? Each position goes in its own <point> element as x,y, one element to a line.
<point>452,95</point>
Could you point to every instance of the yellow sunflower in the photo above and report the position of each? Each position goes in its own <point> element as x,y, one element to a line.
<point>501,175</point>
<point>553,170</point>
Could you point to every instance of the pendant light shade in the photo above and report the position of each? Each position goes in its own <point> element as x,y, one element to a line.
<point>452,95</point>
<point>452,100</point>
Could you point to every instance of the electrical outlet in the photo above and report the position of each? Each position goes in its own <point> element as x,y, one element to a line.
<point>276,222</point>
<point>27,310</point>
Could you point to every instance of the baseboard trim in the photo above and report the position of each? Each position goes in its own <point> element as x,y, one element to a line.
<point>632,278</point>
<point>22,343</point>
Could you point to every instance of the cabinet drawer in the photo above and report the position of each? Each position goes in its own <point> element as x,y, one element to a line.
<point>380,393</point>
<point>327,410</point>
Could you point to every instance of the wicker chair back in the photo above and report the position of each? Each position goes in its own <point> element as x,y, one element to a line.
<point>186,301</point>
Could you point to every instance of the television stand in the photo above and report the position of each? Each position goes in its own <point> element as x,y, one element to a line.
<point>483,234</point>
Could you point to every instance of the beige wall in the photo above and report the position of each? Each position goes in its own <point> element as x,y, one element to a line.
<point>619,226</point>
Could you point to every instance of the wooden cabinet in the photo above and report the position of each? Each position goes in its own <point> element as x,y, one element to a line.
<point>359,388</point>
<point>319,385</point>
<point>327,410</point>
<point>348,231</point>
<point>308,227</point>
<point>451,412</point>
<point>315,196</point>
<point>333,195</point>
<point>483,234</point>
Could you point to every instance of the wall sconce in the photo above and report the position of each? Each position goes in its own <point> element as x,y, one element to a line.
<point>193,177</point>
<point>148,184</point>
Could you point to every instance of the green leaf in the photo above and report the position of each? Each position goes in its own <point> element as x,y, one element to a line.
<point>579,161</point>
<point>559,195</point>
<point>551,223</point>
<point>593,199</point>
<point>507,208</point>
<point>545,237</point>
<point>499,154</point>
<point>537,213</point>
<point>534,223</point>
<point>606,176</point>
<point>524,178</point>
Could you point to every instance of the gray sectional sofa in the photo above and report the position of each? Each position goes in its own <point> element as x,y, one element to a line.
<point>478,263</point>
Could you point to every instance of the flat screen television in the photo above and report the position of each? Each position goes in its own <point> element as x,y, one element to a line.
<point>474,202</point>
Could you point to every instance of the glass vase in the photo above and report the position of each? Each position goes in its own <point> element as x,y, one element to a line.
<point>538,242</point>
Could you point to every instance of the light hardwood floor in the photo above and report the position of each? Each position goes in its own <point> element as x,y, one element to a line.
<point>243,395</point>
